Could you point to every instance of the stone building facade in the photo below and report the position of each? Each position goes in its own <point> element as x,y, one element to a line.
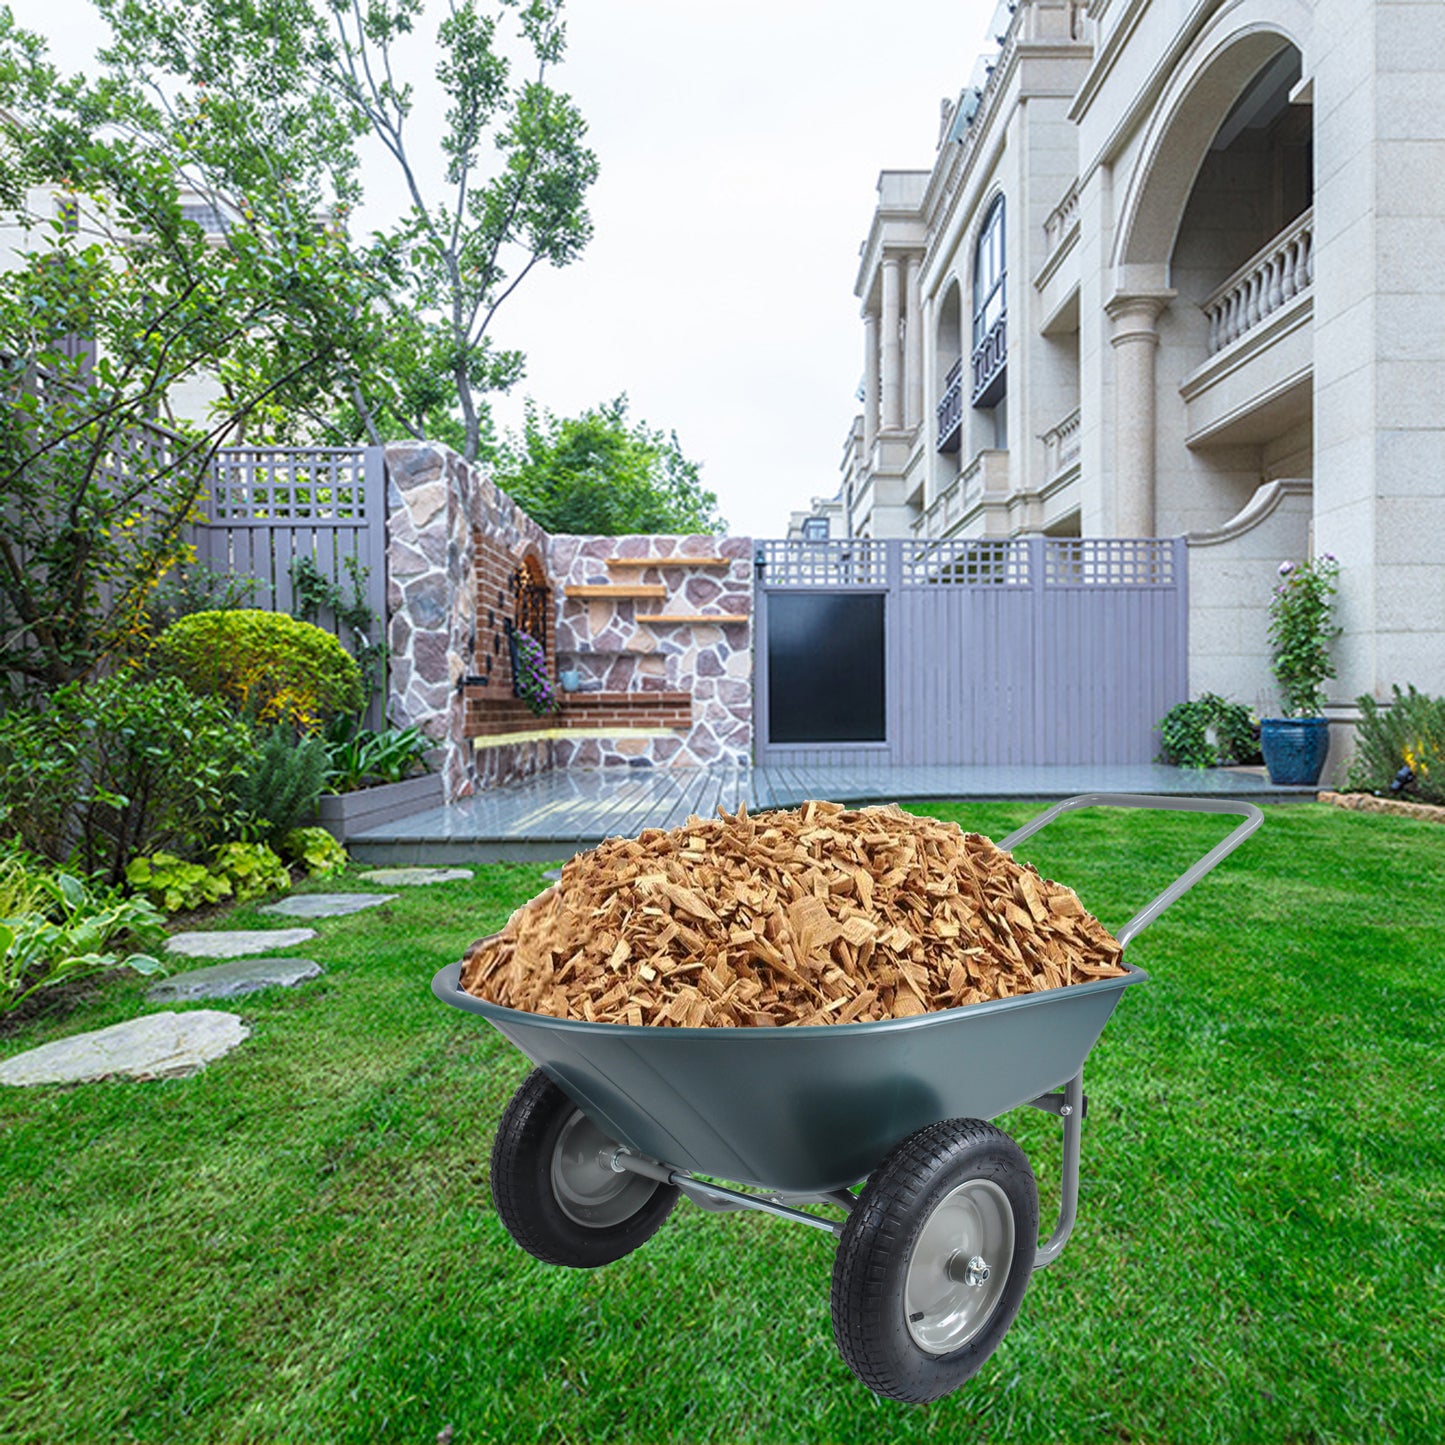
<point>1174,271</point>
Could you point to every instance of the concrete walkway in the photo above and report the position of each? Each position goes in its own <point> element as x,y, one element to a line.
<point>558,813</point>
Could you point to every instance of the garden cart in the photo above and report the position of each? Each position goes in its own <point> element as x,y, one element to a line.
<point>935,1252</point>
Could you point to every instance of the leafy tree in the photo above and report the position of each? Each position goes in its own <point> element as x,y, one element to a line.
<point>601,473</point>
<point>115,301</point>
<point>224,80</point>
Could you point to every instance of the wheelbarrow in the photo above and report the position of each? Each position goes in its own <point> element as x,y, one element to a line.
<point>935,1252</point>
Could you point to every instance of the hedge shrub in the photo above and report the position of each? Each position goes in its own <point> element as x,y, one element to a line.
<point>109,770</point>
<point>270,667</point>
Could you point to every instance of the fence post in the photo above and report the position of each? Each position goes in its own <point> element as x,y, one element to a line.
<point>374,496</point>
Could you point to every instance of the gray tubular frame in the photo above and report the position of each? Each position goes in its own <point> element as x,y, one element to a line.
<point>1069,1104</point>
<point>1191,875</point>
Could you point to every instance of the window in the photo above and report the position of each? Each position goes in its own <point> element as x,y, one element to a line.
<point>990,343</point>
<point>206,216</point>
<point>815,529</point>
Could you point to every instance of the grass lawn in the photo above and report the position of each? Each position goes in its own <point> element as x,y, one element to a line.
<point>298,1243</point>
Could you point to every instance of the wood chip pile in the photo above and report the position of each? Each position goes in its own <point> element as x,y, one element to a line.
<point>818,915</point>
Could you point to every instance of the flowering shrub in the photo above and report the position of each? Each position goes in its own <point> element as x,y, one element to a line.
<point>1301,629</point>
<point>529,674</point>
<point>1400,748</point>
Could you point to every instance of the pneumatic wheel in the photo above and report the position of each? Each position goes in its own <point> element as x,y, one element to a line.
<point>553,1189</point>
<point>934,1260</point>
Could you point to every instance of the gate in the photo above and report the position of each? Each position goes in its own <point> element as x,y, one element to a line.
<point>988,652</point>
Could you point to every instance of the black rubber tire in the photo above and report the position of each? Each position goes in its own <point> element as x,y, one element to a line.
<point>871,1265</point>
<point>523,1193</point>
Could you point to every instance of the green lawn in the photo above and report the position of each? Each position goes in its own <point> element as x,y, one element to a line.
<point>298,1244</point>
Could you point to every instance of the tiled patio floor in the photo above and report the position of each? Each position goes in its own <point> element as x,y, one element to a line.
<point>558,813</point>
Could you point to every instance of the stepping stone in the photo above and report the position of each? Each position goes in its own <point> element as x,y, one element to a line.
<point>226,980</point>
<point>414,877</point>
<point>327,905</point>
<point>158,1046</point>
<point>237,943</point>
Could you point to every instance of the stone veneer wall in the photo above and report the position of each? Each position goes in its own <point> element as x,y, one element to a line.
<point>602,639</point>
<point>441,512</point>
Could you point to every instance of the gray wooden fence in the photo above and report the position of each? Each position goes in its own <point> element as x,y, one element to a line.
<point>269,508</point>
<point>1017,651</point>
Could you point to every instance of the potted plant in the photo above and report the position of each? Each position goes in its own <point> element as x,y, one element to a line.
<point>1301,630</point>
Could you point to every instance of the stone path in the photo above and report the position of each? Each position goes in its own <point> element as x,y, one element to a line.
<point>237,943</point>
<point>226,980</point>
<point>158,1046</point>
<point>327,905</point>
<point>414,877</point>
<point>172,1045</point>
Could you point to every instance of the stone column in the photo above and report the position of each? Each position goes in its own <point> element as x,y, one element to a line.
<point>892,345</point>
<point>913,341</point>
<point>1135,340</point>
<point>870,380</point>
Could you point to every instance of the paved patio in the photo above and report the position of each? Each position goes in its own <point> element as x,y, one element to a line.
<point>559,813</point>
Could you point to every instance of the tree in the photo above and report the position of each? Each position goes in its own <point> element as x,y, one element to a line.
<point>230,78</point>
<point>119,298</point>
<point>600,473</point>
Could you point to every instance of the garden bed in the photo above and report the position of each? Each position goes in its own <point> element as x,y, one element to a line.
<point>1394,807</point>
<point>344,815</point>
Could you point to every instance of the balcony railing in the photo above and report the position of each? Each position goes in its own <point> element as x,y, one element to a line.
<point>988,361</point>
<point>986,475</point>
<point>1269,280</point>
<point>950,409</point>
<point>1061,220</point>
<point>1061,444</point>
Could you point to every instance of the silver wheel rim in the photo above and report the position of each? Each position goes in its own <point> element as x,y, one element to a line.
<point>959,1266</point>
<point>587,1189</point>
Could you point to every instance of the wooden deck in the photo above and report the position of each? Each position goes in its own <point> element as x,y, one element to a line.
<point>558,813</point>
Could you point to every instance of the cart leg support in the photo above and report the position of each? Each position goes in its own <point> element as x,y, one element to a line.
<point>1071,1110</point>
<point>716,1196</point>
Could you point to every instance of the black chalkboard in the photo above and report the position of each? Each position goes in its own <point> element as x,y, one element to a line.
<point>825,667</point>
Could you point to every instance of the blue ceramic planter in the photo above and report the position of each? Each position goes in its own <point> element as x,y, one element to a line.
<point>1294,748</point>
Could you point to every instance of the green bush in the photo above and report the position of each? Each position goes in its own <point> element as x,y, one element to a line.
<point>108,770</point>
<point>1207,733</point>
<point>360,758</point>
<point>1409,733</point>
<point>282,785</point>
<point>174,885</point>
<point>272,668</point>
<point>315,849</point>
<point>65,929</point>
<point>251,869</point>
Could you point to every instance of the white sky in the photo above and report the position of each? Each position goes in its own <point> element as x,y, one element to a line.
<point>739,142</point>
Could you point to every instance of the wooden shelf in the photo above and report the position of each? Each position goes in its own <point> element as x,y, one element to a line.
<point>702,562</point>
<point>634,590</point>
<point>716,618</point>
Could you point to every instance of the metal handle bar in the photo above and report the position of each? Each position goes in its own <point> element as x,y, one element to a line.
<point>1186,880</point>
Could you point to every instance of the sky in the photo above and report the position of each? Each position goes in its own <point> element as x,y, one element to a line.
<point>739,143</point>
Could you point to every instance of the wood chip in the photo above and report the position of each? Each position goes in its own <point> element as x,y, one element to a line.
<point>816,915</point>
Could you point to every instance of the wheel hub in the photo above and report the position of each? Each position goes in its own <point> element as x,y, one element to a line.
<point>959,1266</point>
<point>588,1191</point>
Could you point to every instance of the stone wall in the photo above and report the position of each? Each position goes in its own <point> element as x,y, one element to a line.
<point>615,651</point>
<point>443,516</point>
<point>652,693</point>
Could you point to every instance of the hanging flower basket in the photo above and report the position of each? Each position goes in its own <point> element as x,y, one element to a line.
<point>529,673</point>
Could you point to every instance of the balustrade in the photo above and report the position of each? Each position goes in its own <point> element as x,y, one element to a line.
<point>1266,282</point>
<point>950,409</point>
